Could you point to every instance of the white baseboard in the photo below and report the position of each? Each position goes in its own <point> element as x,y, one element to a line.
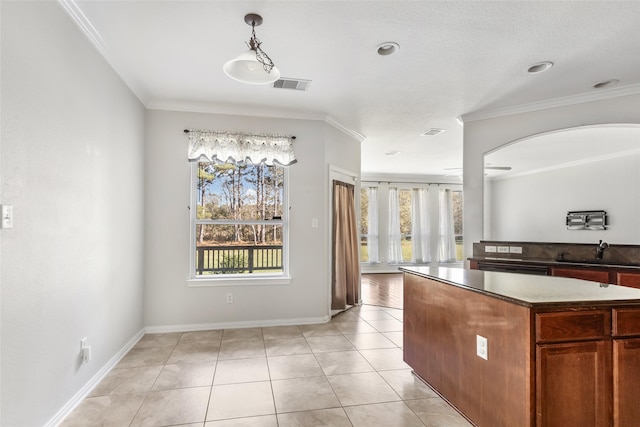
<point>86,389</point>
<point>236,325</point>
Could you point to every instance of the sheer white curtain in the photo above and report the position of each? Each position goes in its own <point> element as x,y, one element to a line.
<point>395,238</point>
<point>447,240</point>
<point>420,226</point>
<point>372,220</point>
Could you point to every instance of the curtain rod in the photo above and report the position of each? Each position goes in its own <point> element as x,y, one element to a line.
<point>187,131</point>
<point>411,182</point>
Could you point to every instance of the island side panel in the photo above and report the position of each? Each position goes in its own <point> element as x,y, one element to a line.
<point>441,322</point>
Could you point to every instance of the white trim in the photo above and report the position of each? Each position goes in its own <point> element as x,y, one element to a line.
<point>597,95</point>
<point>236,325</point>
<point>206,282</point>
<point>352,133</point>
<point>94,381</point>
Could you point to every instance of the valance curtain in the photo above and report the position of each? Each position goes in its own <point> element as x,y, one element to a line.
<point>238,147</point>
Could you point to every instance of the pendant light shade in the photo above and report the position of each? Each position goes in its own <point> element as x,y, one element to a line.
<point>255,66</point>
<point>247,69</point>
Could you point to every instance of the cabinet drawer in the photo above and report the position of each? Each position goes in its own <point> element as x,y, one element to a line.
<point>626,322</point>
<point>584,274</point>
<point>573,326</point>
<point>628,279</point>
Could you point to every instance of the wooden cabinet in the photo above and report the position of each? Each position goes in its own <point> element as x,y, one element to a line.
<point>573,384</point>
<point>626,382</point>
<point>584,274</point>
<point>628,279</point>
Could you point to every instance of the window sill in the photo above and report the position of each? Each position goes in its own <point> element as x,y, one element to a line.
<point>203,282</point>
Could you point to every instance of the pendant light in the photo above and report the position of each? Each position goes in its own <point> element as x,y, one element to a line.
<point>254,66</point>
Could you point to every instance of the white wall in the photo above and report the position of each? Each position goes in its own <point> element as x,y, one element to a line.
<point>170,303</point>
<point>533,207</point>
<point>481,136</point>
<point>71,162</point>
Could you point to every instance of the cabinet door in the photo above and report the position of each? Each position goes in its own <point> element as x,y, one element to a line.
<point>626,382</point>
<point>573,384</point>
<point>576,273</point>
<point>628,279</point>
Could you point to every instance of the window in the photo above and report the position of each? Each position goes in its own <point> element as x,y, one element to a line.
<point>369,225</point>
<point>457,223</point>
<point>400,247</point>
<point>239,223</point>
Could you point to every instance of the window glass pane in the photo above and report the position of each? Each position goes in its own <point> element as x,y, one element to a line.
<point>404,202</point>
<point>364,225</point>
<point>238,249</point>
<point>457,200</point>
<point>239,192</point>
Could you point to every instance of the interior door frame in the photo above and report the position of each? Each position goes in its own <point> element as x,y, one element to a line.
<point>349,177</point>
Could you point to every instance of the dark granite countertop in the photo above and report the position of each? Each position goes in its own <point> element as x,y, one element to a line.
<point>529,290</point>
<point>558,263</point>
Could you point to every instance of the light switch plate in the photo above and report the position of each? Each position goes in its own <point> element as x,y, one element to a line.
<point>515,249</point>
<point>7,216</point>
<point>489,248</point>
<point>503,249</point>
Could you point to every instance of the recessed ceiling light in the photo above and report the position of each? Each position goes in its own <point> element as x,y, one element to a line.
<point>608,83</point>
<point>392,152</point>
<point>539,67</point>
<point>432,132</point>
<point>387,48</point>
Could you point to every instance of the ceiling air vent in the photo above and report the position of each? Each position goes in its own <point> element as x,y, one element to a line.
<point>432,132</point>
<point>296,84</point>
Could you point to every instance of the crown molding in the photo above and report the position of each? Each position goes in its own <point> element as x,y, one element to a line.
<point>553,103</point>
<point>352,133</point>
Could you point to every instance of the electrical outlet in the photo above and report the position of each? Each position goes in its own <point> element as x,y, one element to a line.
<point>229,298</point>
<point>85,351</point>
<point>482,347</point>
<point>503,249</point>
<point>489,248</point>
<point>515,249</point>
<point>7,216</point>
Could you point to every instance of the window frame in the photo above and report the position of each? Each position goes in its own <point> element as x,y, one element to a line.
<point>260,278</point>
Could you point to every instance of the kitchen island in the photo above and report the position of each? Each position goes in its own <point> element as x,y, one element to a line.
<point>520,350</point>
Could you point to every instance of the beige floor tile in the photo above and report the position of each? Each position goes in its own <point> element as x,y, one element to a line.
<point>396,313</point>
<point>362,389</point>
<point>370,341</point>
<point>343,362</point>
<point>159,340</point>
<point>212,337</point>
<point>407,385</point>
<point>262,421</point>
<point>395,337</point>
<point>366,307</point>
<point>385,359</point>
<point>194,352</point>
<point>435,412</point>
<point>334,417</point>
<point>375,315</point>
<point>241,371</point>
<point>169,407</point>
<point>242,334</point>
<point>105,411</point>
<point>185,375</point>
<point>240,400</point>
<point>276,332</point>
<point>318,330</point>
<point>296,366</point>
<point>286,346</point>
<point>392,325</point>
<point>145,356</point>
<point>346,316</point>
<point>358,327</point>
<point>329,343</point>
<point>303,394</point>
<point>127,380</point>
<point>395,414</point>
<point>241,349</point>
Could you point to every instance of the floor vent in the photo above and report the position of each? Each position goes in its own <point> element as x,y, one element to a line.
<point>296,84</point>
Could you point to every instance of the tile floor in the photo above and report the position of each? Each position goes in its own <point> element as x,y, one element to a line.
<point>348,372</point>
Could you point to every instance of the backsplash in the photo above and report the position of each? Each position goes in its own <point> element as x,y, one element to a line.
<point>551,251</point>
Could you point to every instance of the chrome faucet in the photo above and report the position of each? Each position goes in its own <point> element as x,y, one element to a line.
<point>600,249</point>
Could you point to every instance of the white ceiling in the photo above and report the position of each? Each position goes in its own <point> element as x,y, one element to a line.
<point>455,59</point>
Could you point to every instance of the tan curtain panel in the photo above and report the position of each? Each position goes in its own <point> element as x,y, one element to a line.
<point>346,263</point>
